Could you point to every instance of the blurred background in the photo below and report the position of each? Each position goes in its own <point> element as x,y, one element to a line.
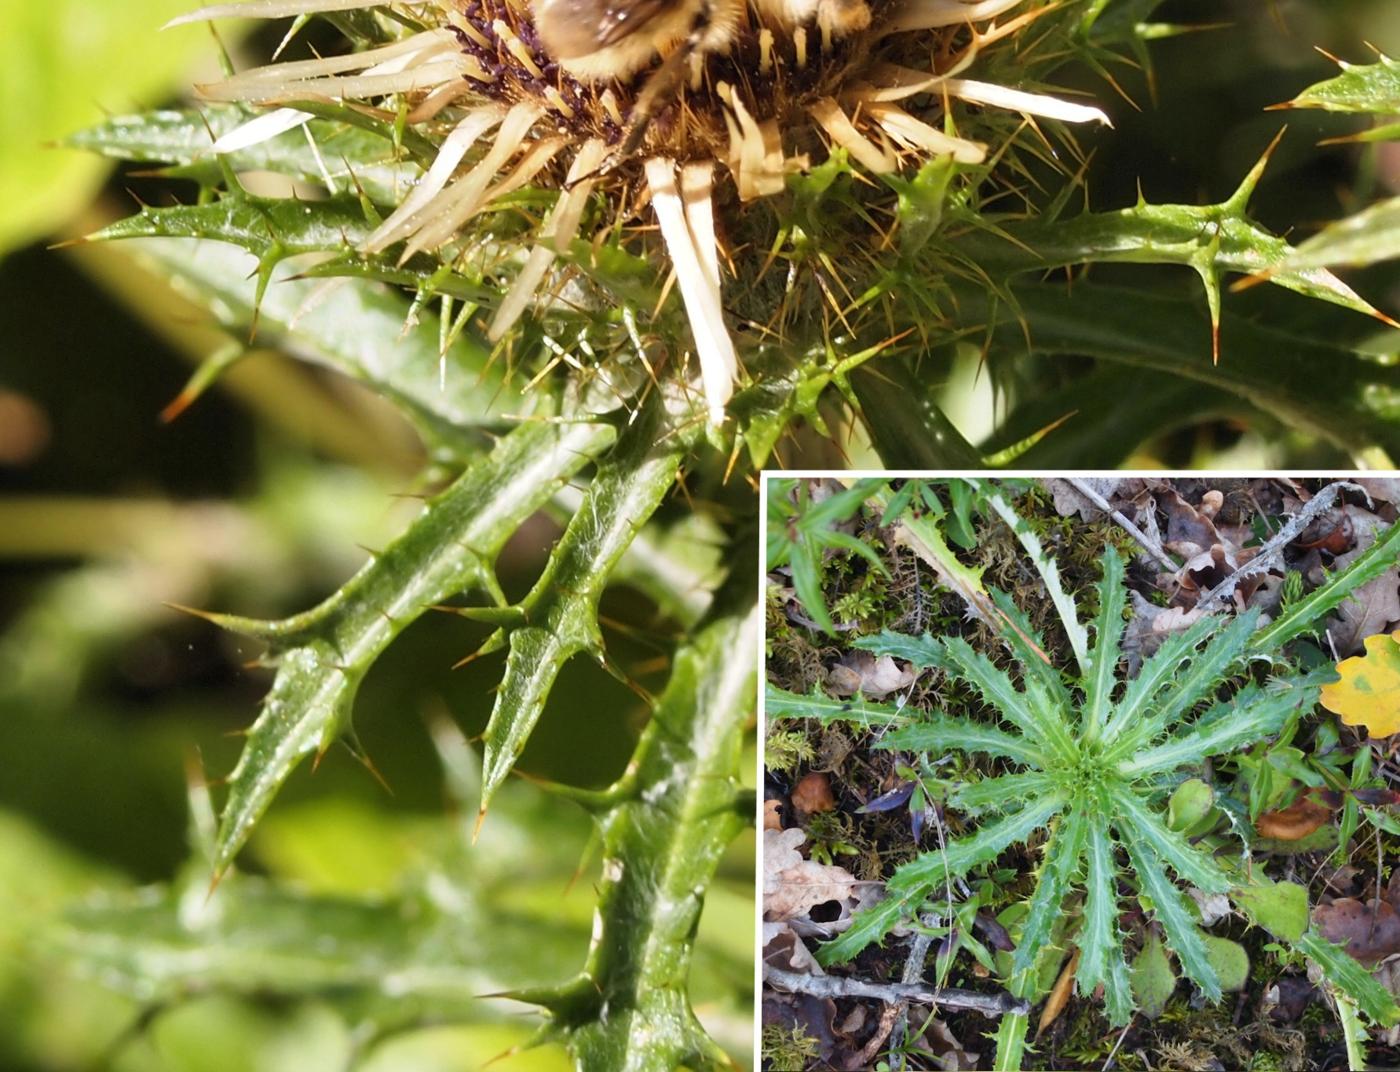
<point>260,500</point>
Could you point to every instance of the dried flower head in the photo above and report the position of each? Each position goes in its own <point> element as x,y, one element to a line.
<point>695,108</point>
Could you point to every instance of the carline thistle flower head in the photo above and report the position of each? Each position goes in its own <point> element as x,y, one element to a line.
<point>679,112</point>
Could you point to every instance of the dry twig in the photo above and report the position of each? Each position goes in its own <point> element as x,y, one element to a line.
<point>1151,546</point>
<point>1263,561</point>
<point>832,986</point>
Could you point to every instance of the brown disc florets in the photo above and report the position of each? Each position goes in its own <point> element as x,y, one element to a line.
<point>756,66</point>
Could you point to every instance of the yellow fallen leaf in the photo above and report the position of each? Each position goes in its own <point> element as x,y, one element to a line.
<point>1369,692</point>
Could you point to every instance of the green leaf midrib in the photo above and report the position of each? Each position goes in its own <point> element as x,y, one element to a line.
<point>562,609</point>
<point>325,652</point>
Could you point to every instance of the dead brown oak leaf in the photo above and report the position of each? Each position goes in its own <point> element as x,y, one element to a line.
<point>861,672</point>
<point>1376,604</point>
<point>792,886</point>
<point>1370,931</point>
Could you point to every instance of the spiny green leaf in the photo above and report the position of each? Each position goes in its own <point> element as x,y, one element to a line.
<point>1169,907</point>
<point>1100,944</point>
<point>324,152</point>
<point>1342,971</point>
<point>1370,88</point>
<point>1037,721</point>
<point>1049,572</point>
<point>1156,675</point>
<point>938,734</point>
<point>1212,239</point>
<point>1059,862</point>
<point>915,880</point>
<point>1003,792</point>
<point>323,654</point>
<point>270,228</point>
<point>1237,724</point>
<point>1305,614</point>
<point>931,869</point>
<point>1022,639</point>
<point>561,611</point>
<point>1203,673</point>
<point>922,651</point>
<point>1010,1042</point>
<point>779,703</point>
<point>870,926</point>
<point>1101,674</point>
<point>1140,826</point>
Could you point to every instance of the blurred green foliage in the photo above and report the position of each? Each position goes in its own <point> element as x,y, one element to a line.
<point>63,64</point>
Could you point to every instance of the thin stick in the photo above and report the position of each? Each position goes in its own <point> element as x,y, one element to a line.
<point>914,968</point>
<point>1151,546</point>
<point>831,986</point>
<point>1121,1036</point>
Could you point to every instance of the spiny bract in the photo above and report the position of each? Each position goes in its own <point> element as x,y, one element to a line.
<point>784,86</point>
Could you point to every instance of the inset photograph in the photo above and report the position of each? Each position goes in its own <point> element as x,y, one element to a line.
<point>1081,773</point>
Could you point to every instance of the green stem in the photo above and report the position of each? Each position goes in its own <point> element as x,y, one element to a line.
<point>1354,1033</point>
<point>560,615</point>
<point>629,1011</point>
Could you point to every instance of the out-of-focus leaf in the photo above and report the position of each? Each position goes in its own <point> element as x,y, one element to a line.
<point>61,64</point>
<point>392,962</point>
<point>341,158</point>
<point>1369,237</point>
<point>1278,372</point>
<point>1368,693</point>
<point>356,327</point>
